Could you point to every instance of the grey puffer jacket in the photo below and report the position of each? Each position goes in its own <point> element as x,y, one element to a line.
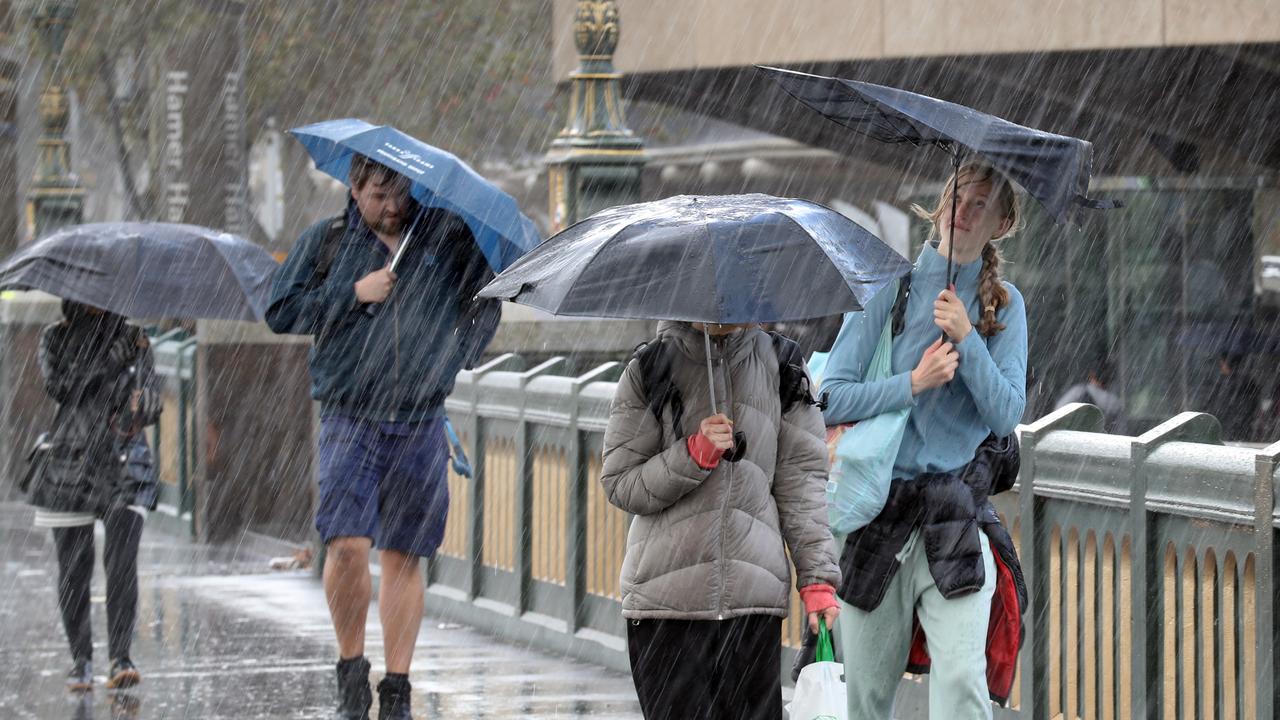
<point>709,545</point>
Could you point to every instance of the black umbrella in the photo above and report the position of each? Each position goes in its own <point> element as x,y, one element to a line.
<point>147,270</point>
<point>724,259</point>
<point>1053,169</point>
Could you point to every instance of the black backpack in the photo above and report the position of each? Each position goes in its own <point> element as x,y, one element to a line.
<point>334,229</point>
<point>655,358</point>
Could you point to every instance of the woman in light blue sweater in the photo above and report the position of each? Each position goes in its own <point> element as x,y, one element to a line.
<point>923,555</point>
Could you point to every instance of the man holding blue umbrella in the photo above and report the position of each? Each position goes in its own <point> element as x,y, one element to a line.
<point>387,290</point>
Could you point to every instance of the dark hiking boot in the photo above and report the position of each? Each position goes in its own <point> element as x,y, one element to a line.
<point>123,674</point>
<point>81,675</point>
<point>354,695</point>
<point>393,699</point>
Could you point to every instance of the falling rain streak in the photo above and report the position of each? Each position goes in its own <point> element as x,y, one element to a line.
<point>188,166</point>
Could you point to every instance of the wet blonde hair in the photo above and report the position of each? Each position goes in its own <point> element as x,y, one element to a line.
<point>992,295</point>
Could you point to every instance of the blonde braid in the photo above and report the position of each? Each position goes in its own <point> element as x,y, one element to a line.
<point>992,294</point>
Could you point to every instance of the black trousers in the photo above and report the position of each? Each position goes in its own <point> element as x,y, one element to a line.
<point>708,669</point>
<point>75,570</point>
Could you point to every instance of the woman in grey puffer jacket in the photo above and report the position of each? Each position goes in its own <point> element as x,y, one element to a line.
<point>96,466</point>
<point>706,578</point>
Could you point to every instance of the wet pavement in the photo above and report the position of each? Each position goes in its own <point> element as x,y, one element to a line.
<point>220,636</point>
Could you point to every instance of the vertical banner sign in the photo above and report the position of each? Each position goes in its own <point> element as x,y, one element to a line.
<point>203,164</point>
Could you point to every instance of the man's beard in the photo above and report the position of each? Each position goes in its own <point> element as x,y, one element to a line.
<point>387,225</point>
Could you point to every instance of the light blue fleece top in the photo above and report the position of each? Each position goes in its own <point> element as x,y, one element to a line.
<point>946,424</point>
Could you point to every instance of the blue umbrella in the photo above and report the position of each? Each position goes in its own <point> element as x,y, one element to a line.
<point>437,179</point>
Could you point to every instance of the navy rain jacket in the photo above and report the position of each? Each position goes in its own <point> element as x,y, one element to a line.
<point>397,363</point>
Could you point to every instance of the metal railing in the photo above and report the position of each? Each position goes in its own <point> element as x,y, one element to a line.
<point>1151,570</point>
<point>1151,562</point>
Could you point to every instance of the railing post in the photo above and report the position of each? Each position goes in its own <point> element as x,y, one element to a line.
<point>1034,543</point>
<point>1147,608</point>
<point>475,499</point>
<point>576,528</point>
<point>1265,574</point>
<point>186,448</point>
<point>523,536</point>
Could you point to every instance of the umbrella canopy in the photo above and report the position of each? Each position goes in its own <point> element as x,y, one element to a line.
<point>714,259</point>
<point>1053,169</point>
<point>147,270</point>
<point>437,179</point>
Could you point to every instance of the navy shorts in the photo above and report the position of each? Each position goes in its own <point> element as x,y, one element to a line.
<point>386,481</point>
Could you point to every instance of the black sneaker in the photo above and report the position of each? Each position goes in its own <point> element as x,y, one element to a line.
<point>123,674</point>
<point>354,695</point>
<point>393,699</point>
<point>81,675</point>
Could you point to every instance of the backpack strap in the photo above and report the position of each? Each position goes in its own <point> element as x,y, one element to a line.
<point>793,381</point>
<point>899,311</point>
<point>334,230</point>
<point>655,379</point>
<point>655,358</point>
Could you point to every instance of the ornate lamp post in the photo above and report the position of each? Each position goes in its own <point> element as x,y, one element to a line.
<point>595,161</point>
<point>55,199</point>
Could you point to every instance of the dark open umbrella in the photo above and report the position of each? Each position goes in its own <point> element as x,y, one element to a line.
<point>147,270</point>
<point>1053,169</point>
<point>712,259</point>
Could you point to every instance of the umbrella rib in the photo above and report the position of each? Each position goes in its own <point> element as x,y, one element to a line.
<point>715,285</point>
<point>595,254</point>
<point>825,254</point>
<point>894,121</point>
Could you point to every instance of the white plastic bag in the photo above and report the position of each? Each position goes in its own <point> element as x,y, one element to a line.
<point>820,691</point>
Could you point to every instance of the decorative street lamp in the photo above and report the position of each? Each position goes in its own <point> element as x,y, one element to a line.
<point>55,199</point>
<point>595,161</point>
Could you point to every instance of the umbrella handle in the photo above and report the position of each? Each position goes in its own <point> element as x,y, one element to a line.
<point>395,263</point>
<point>711,378</point>
<point>404,243</point>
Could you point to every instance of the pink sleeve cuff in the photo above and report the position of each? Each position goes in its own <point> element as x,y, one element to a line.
<point>703,451</point>
<point>817,598</point>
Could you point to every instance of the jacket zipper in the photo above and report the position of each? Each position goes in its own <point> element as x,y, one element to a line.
<point>727,409</point>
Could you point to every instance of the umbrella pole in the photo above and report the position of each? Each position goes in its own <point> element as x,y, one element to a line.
<point>951,229</point>
<point>711,378</point>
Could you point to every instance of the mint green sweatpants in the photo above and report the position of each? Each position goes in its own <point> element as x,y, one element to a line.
<point>876,643</point>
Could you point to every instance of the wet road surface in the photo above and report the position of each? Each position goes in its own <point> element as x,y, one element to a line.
<point>220,636</point>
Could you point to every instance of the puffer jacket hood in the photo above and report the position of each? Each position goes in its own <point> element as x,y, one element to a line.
<point>713,544</point>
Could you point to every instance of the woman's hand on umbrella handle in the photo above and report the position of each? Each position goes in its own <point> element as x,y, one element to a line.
<point>719,430</point>
<point>376,286</point>
<point>937,367</point>
<point>951,316</point>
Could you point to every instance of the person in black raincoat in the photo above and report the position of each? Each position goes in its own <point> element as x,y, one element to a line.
<point>94,464</point>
